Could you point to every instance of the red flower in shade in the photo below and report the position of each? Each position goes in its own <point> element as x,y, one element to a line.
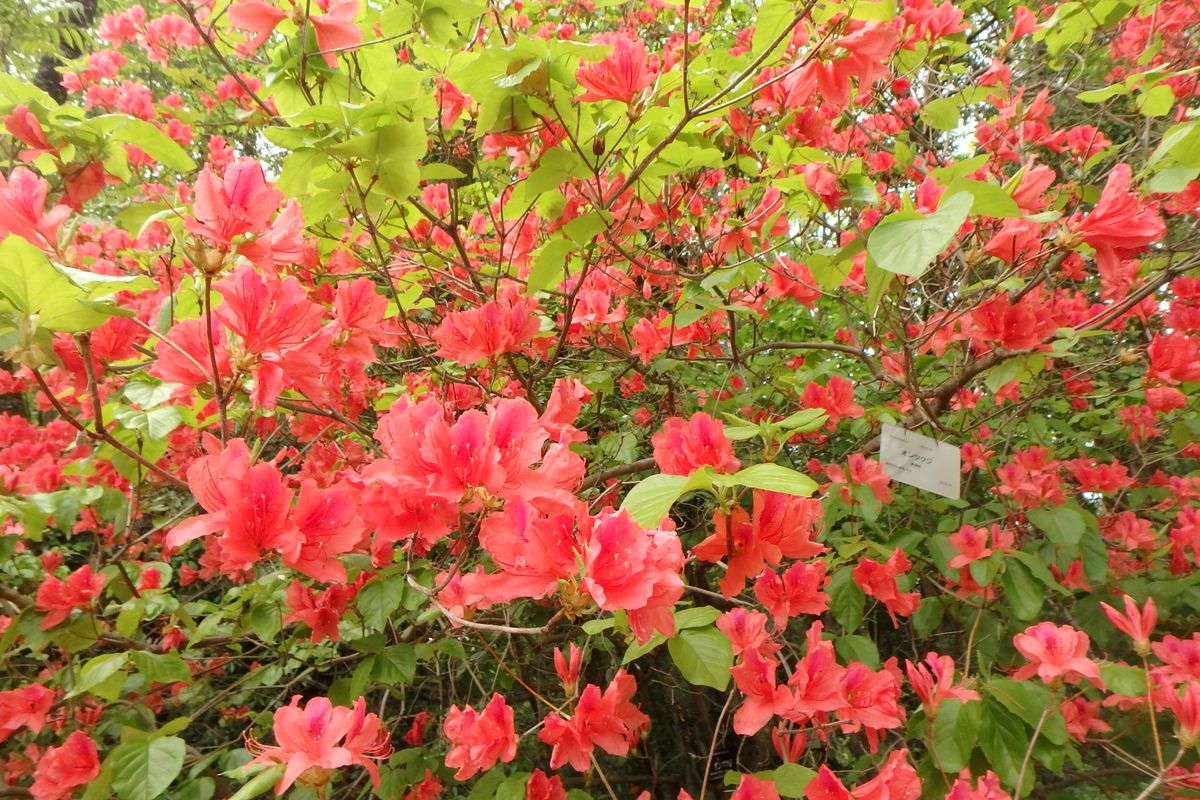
<point>897,780</point>
<point>608,721</point>
<point>281,332</point>
<point>836,398</point>
<point>879,581</point>
<point>871,700</point>
<point>1082,716</point>
<point>826,786</point>
<point>1184,703</point>
<point>986,788</point>
<point>320,612</point>
<point>1134,623</point>
<point>429,788</point>
<point>972,544</point>
<point>683,446</point>
<point>56,599</point>
<point>781,526</point>
<point>1000,323</point>
<point>335,29</point>
<point>567,666</point>
<point>1120,225</point>
<point>505,325</point>
<point>755,678</point>
<point>258,18</point>
<point>797,592</point>
<point>541,787</point>
<point>533,552</point>
<point>746,630</point>
<point>1174,358</point>
<point>817,679</point>
<point>61,769</point>
<point>752,788</point>
<point>321,737</point>
<point>24,707</point>
<point>1055,652</point>
<point>935,683</point>
<point>329,526</point>
<point>623,75</point>
<point>184,357</point>
<point>479,739</point>
<point>415,736</point>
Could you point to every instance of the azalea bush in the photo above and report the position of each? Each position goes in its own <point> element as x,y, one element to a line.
<point>597,399</point>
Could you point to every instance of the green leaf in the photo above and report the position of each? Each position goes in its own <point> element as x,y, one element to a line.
<point>1029,700</point>
<point>955,731</point>
<point>1100,95</point>
<point>1003,740</point>
<point>696,617</point>
<point>98,670</point>
<point>549,265</point>
<point>769,477</point>
<point>804,421</point>
<point>773,19</point>
<point>46,296</point>
<point>1025,595</point>
<point>98,287</point>
<point>846,601</point>
<point>161,667</point>
<point>146,137</point>
<point>396,665</point>
<point>942,114</point>
<point>790,780</point>
<point>857,648</point>
<point>651,499</point>
<point>990,200</point>
<point>262,782</point>
<point>1156,101</point>
<point>143,769</point>
<point>907,243</point>
<point>157,423</point>
<point>703,656</point>
<point>393,151</point>
<point>379,599</point>
<point>1123,679</point>
<point>638,649</point>
<point>879,280</point>
<point>1062,524</point>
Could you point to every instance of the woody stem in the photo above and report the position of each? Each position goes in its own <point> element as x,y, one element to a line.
<point>1153,716</point>
<point>1033,741</point>
<point>712,748</point>
<point>1152,787</point>
<point>104,435</point>
<point>218,393</point>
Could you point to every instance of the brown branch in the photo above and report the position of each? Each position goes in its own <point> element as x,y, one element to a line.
<point>233,73</point>
<point>104,436</point>
<point>618,471</point>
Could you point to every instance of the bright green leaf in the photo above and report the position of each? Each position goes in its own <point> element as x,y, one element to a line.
<point>703,656</point>
<point>907,243</point>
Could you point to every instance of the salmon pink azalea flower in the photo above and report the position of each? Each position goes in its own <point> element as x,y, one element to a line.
<point>1055,652</point>
<point>320,737</point>
<point>479,739</point>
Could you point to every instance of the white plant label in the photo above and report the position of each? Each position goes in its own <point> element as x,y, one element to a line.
<point>920,461</point>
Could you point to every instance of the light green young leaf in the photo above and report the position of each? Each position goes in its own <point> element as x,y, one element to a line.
<point>907,242</point>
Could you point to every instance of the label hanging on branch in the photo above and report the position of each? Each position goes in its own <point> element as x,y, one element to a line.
<point>920,461</point>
